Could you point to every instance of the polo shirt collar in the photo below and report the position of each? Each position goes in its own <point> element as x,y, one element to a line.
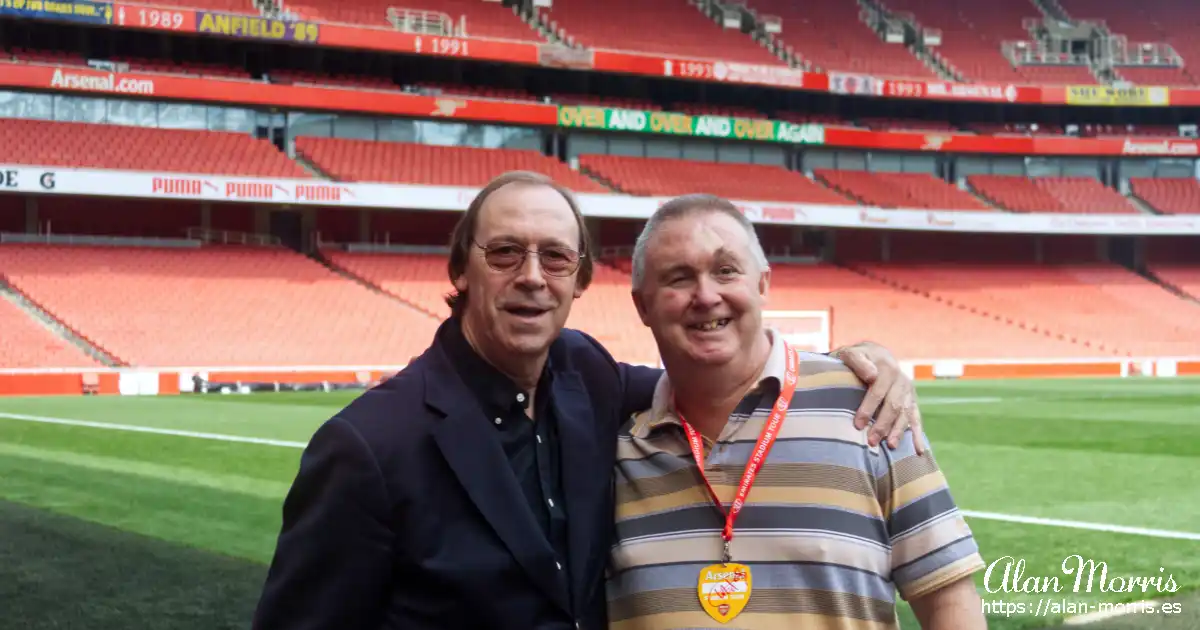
<point>662,409</point>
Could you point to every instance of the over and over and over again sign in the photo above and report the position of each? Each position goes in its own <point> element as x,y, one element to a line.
<point>215,188</point>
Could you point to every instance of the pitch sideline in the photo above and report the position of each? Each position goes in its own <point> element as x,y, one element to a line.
<point>987,516</point>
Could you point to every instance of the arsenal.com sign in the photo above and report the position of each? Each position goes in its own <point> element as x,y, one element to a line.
<point>32,180</point>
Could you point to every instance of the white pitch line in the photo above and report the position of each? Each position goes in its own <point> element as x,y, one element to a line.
<point>959,401</point>
<point>990,516</point>
<point>220,437</point>
<point>1098,527</point>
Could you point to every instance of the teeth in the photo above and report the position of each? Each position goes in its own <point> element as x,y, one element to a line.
<point>713,325</point>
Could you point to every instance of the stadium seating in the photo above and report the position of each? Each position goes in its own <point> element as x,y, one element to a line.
<point>224,6</point>
<point>1057,75</point>
<point>670,27</point>
<point>474,18</point>
<point>83,145</point>
<point>369,161</point>
<point>1169,196</point>
<point>669,177</point>
<point>829,35</point>
<point>338,80</point>
<point>1104,306</point>
<point>1172,21</point>
<point>26,343</point>
<point>972,33</point>
<point>900,190</point>
<point>1186,278</point>
<point>1051,194</point>
<point>605,310</point>
<point>215,306</point>
<point>1150,75</point>
<point>912,326</point>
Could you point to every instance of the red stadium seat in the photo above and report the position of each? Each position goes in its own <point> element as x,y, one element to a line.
<point>670,27</point>
<point>900,190</point>
<point>215,306</point>
<point>1051,194</point>
<point>26,343</point>
<point>1169,196</point>
<point>368,161</point>
<point>82,145</point>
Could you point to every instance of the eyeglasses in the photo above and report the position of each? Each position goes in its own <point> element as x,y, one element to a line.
<point>554,260</point>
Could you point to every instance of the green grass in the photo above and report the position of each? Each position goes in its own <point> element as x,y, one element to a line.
<point>145,530</point>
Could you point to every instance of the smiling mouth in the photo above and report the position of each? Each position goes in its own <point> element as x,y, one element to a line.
<point>526,311</point>
<point>715,324</point>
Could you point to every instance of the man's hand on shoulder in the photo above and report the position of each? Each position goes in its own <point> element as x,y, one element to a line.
<point>890,392</point>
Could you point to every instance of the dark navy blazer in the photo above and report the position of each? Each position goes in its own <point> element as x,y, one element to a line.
<point>405,512</point>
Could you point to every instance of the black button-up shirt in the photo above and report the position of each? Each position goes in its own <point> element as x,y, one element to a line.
<point>531,445</point>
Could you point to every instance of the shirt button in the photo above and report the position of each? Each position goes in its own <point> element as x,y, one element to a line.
<point>558,564</point>
<point>498,421</point>
<point>551,502</point>
<point>539,439</point>
<point>520,397</point>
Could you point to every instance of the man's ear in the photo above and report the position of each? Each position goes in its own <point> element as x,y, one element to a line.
<point>764,283</point>
<point>640,305</point>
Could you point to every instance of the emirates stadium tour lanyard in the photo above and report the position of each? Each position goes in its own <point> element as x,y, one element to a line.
<point>724,588</point>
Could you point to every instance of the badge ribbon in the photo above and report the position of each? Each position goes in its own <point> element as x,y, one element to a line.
<point>724,589</point>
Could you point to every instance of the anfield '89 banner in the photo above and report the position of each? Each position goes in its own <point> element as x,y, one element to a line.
<point>256,27</point>
<point>678,124</point>
<point>75,11</point>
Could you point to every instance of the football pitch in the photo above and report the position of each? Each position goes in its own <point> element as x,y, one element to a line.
<point>162,512</point>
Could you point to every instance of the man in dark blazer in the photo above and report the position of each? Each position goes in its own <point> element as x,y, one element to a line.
<point>473,489</point>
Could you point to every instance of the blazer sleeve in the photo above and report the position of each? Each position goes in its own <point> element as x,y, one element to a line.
<point>333,559</point>
<point>637,386</point>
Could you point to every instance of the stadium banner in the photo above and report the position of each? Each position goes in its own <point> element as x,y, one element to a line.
<point>254,27</point>
<point>70,10</point>
<point>395,103</point>
<point>947,91</point>
<point>1008,144</point>
<point>716,71</point>
<point>1109,96</point>
<point>315,192</point>
<point>300,97</point>
<point>153,18</point>
<point>679,124</point>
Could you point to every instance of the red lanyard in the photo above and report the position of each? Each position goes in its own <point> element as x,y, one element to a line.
<point>765,440</point>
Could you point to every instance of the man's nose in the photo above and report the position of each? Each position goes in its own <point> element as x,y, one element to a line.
<point>530,271</point>
<point>707,294</point>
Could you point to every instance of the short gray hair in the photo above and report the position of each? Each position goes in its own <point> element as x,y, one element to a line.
<point>680,207</point>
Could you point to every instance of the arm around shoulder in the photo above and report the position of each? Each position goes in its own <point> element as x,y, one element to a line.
<point>332,563</point>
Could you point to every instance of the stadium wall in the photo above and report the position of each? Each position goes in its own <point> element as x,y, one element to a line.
<point>175,381</point>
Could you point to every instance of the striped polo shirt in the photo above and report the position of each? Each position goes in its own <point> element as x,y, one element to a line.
<point>831,530</point>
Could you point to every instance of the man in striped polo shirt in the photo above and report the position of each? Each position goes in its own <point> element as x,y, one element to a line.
<point>821,529</point>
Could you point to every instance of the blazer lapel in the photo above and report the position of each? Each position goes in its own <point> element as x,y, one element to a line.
<point>470,446</point>
<point>584,483</point>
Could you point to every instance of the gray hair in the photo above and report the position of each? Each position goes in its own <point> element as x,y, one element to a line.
<point>680,207</point>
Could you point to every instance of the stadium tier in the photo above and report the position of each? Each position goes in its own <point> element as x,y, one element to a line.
<point>83,145</point>
<point>830,35</point>
<point>1051,194</point>
<point>1185,278</point>
<point>1169,196</point>
<point>900,190</point>
<point>668,177</point>
<point>1101,306</point>
<point>913,325</point>
<point>28,343</point>
<point>1173,22</point>
<point>368,161</point>
<point>470,18</point>
<point>972,34</point>
<point>672,27</point>
<point>215,306</point>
